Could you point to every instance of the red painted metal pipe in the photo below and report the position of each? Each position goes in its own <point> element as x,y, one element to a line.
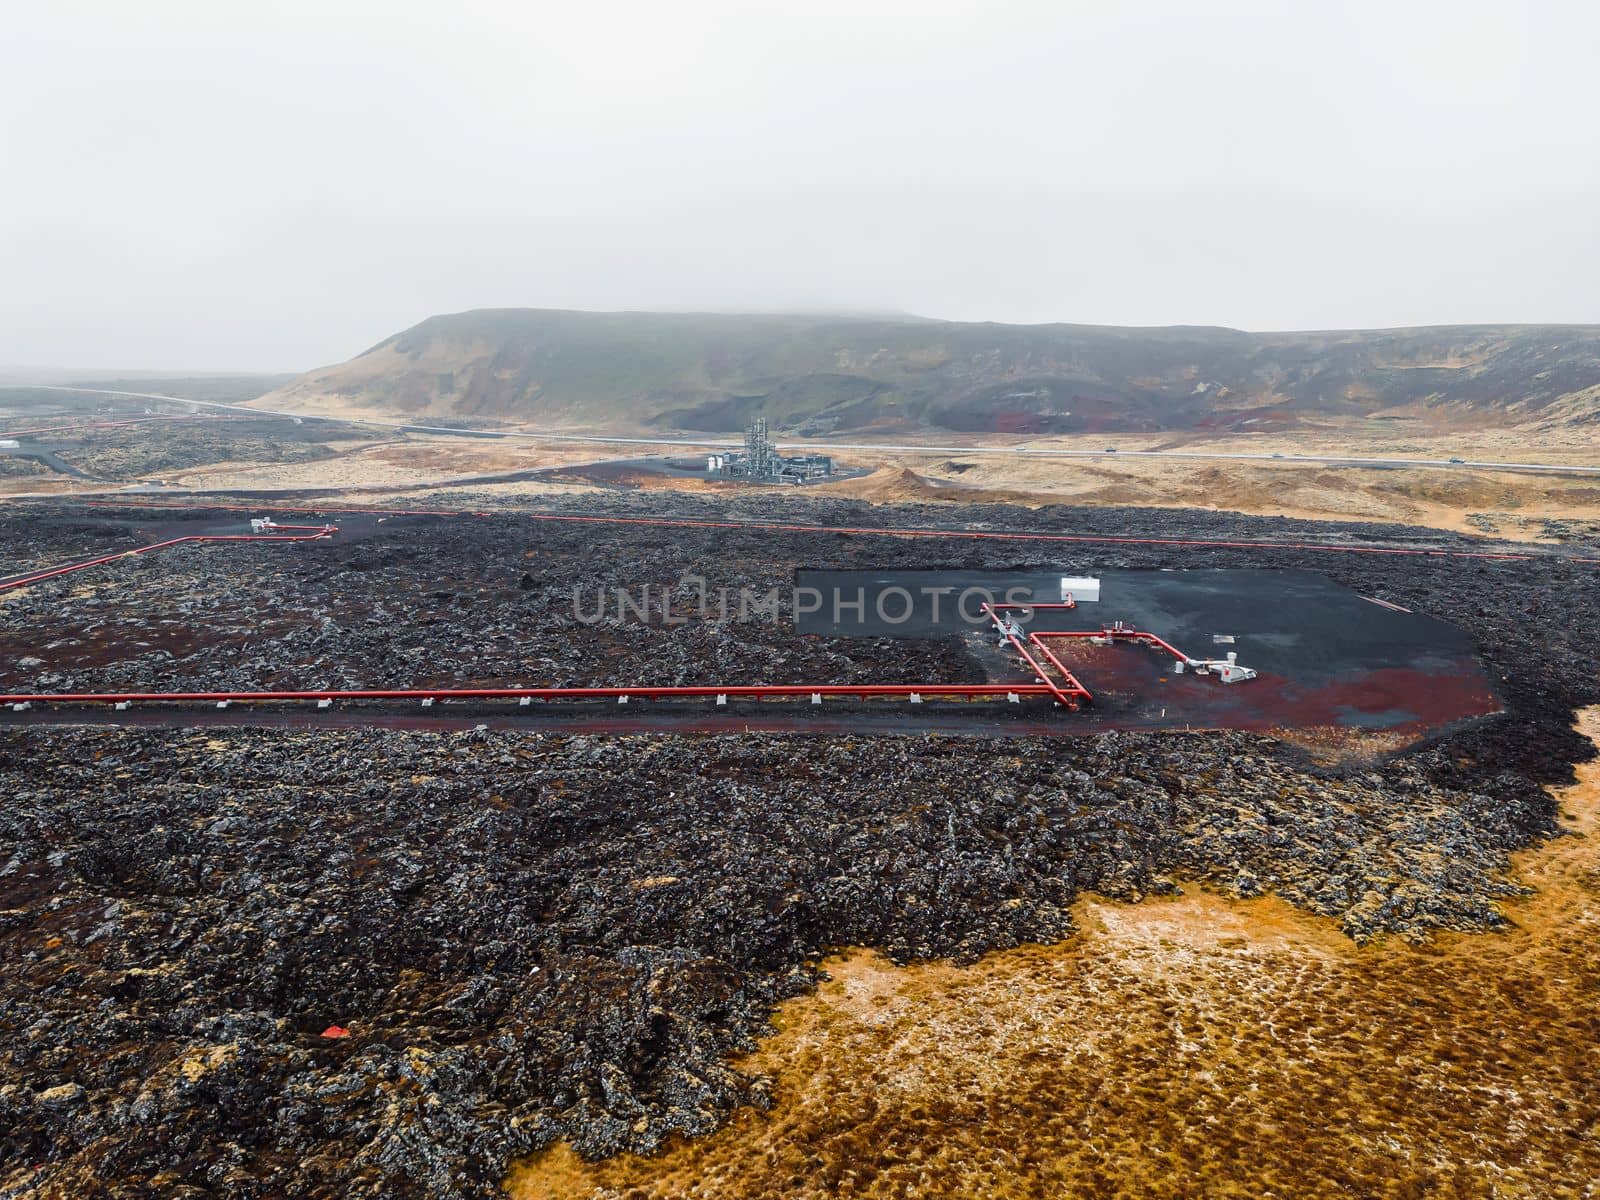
<point>1074,686</point>
<point>965,691</point>
<point>1127,635</point>
<point>1067,694</point>
<point>323,531</point>
<point>52,572</point>
<point>1031,607</point>
<point>859,531</point>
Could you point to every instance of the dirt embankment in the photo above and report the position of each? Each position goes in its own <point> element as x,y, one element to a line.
<point>1192,1045</point>
<point>1503,502</point>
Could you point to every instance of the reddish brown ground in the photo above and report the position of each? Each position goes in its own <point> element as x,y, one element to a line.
<point>1192,1047</point>
<point>1134,686</point>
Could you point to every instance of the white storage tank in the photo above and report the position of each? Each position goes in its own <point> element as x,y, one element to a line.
<point>1079,588</point>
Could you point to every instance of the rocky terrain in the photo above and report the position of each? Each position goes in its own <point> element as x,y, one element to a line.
<point>417,602</point>
<point>140,451</point>
<point>389,961</point>
<point>531,938</point>
<point>14,466</point>
<point>1194,1044</point>
<point>816,376</point>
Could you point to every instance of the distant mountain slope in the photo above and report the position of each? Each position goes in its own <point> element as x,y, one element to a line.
<point>818,375</point>
<point>225,389</point>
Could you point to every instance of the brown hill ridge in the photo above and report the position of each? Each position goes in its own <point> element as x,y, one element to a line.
<point>818,375</point>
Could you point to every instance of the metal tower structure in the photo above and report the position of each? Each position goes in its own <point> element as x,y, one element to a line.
<point>761,456</point>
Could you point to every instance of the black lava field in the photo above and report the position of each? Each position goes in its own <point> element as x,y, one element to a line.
<point>260,961</point>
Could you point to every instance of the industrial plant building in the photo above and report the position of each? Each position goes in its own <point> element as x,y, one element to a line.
<point>760,461</point>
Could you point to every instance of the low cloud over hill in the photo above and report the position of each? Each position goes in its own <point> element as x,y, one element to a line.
<point>817,375</point>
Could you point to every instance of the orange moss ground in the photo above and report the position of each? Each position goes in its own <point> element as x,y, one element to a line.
<point>1192,1047</point>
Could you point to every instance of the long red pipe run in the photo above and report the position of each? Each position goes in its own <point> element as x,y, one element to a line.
<point>862,531</point>
<point>1069,693</point>
<point>318,532</point>
<point>963,691</point>
<point>323,531</point>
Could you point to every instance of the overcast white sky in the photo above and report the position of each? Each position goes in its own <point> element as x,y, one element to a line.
<point>219,185</point>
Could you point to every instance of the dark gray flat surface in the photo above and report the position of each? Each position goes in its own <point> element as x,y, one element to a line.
<point>1293,623</point>
<point>1326,656</point>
